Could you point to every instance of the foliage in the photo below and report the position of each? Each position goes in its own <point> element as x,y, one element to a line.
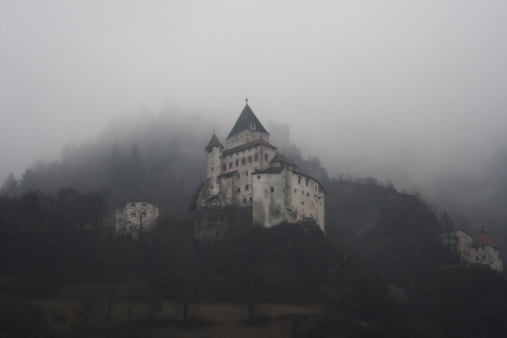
<point>49,240</point>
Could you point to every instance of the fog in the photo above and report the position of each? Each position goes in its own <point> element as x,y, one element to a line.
<point>411,92</point>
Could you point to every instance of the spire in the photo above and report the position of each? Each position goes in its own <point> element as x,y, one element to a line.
<point>214,142</point>
<point>247,121</point>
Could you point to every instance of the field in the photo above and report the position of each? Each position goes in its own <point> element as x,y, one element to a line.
<point>74,312</point>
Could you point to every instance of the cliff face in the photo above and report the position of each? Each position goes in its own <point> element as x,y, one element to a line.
<point>393,231</point>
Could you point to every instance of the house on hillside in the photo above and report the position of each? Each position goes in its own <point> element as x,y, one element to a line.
<point>249,182</point>
<point>480,251</point>
<point>136,216</point>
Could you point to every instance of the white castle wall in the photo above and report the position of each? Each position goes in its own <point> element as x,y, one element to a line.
<point>129,218</point>
<point>487,255</point>
<point>308,198</point>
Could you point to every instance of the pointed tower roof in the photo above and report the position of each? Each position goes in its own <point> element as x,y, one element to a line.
<point>244,121</point>
<point>483,239</point>
<point>214,142</point>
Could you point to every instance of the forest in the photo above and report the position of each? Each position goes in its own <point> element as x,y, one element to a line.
<point>378,271</point>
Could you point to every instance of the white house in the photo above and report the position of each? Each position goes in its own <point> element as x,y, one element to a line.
<point>136,216</point>
<point>481,251</point>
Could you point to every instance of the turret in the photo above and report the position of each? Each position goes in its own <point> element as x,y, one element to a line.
<point>213,164</point>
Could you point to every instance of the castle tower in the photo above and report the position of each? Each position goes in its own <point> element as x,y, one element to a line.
<point>213,164</point>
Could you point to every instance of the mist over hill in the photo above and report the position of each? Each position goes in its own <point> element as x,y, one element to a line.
<point>163,154</point>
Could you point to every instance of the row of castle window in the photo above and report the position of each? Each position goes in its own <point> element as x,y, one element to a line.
<point>307,181</point>
<point>243,161</point>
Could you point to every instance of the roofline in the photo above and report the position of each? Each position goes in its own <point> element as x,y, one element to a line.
<point>295,172</point>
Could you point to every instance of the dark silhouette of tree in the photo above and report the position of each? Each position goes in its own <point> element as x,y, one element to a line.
<point>10,186</point>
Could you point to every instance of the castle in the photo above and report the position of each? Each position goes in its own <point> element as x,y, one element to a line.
<point>250,182</point>
<point>480,251</point>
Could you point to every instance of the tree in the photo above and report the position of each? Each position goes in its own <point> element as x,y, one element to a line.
<point>446,226</point>
<point>10,187</point>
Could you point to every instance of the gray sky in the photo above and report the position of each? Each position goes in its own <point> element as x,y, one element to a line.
<point>403,90</point>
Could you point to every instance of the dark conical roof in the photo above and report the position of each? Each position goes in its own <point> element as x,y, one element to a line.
<point>214,142</point>
<point>483,239</point>
<point>246,118</point>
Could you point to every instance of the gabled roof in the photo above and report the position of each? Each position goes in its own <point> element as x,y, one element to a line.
<point>282,158</point>
<point>483,239</point>
<point>246,118</point>
<point>213,142</point>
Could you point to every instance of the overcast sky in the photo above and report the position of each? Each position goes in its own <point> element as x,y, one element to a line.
<point>401,90</point>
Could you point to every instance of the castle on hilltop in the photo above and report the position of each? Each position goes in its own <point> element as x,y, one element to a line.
<point>481,251</point>
<point>250,182</point>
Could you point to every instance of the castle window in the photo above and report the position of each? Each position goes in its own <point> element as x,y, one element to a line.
<point>307,182</point>
<point>246,187</point>
<point>225,167</point>
<point>238,175</point>
<point>295,190</point>
<point>244,200</point>
<point>307,194</point>
<point>258,177</point>
<point>256,157</point>
<point>252,126</point>
<point>230,165</point>
<point>299,179</point>
<point>243,161</point>
<point>249,159</point>
<point>246,173</point>
<point>272,189</point>
<point>238,190</point>
<point>266,157</point>
<point>302,192</point>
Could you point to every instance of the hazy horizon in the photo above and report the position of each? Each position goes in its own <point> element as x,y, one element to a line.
<point>411,92</point>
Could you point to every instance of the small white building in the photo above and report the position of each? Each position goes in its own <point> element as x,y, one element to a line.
<point>481,251</point>
<point>136,216</point>
<point>484,251</point>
